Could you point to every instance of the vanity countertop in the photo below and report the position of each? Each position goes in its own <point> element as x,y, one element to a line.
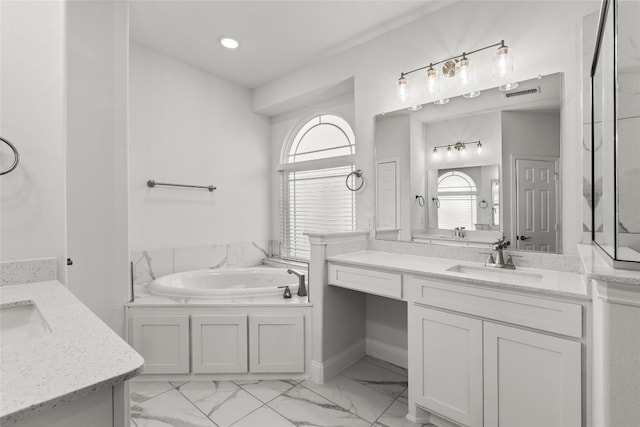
<point>79,356</point>
<point>552,282</point>
<point>597,268</point>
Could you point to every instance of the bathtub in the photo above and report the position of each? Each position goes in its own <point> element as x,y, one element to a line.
<point>225,283</point>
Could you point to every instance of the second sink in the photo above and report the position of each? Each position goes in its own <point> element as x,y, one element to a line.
<point>21,321</point>
<point>495,273</point>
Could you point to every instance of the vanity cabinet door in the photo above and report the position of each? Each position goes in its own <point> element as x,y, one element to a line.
<point>219,344</point>
<point>276,344</point>
<point>445,351</point>
<point>530,379</point>
<point>163,342</point>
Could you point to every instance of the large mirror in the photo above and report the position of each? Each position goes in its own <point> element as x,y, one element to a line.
<point>473,169</point>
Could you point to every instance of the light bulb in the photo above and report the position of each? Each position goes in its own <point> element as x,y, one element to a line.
<point>403,89</point>
<point>464,72</point>
<point>432,80</point>
<point>503,62</point>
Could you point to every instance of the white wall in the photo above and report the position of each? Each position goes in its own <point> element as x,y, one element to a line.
<point>190,127</point>
<point>97,186</point>
<point>393,141</point>
<point>544,35</point>
<point>32,116</point>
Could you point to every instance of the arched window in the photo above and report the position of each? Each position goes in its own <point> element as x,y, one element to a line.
<point>458,195</point>
<point>314,197</point>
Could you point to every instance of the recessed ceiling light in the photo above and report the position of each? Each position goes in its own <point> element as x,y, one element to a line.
<point>473,94</point>
<point>415,107</point>
<point>508,86</point>
<point>442,101</point>
<point>229,42</point>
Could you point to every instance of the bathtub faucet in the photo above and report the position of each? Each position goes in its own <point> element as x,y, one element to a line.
<point>302,290</point>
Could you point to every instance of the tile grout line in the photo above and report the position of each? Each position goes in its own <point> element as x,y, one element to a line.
<point>194,405</point>
<point>245,416</point>
<point>338,405</point>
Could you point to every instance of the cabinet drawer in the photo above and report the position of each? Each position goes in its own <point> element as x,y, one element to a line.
<point>365,280</point>
<point>538,313</point>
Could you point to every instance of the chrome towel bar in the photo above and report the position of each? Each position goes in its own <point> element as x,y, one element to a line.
<point>16,156</point>
<point>151,183</point>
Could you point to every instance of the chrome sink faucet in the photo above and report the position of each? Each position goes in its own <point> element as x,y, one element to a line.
<point>499,261</point>
<point>302,290</point>
<point>458,232</point>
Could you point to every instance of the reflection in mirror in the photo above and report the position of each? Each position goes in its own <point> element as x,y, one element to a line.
<point>485,167</point>
<point>628,129</point>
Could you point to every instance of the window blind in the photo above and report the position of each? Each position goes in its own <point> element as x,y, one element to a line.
<point>457,211</point>
<point>314,201</point>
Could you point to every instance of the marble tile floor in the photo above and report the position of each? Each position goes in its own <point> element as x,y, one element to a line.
<point>370,393</point>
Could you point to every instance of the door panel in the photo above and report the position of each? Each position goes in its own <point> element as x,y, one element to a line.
<point>530,379</point>
<point>536,210</point>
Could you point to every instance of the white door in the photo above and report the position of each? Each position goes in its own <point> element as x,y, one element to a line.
<point>530,379</point>
<point>448,349</point>
<point>387,196</point>
<point>219,344</point>
<point>536,218</point>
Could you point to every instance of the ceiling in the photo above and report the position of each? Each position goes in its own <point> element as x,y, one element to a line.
<point>276,37</point>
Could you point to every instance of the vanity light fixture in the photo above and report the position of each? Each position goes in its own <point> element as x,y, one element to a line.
<point>461,66</point>
<point>458,146</point>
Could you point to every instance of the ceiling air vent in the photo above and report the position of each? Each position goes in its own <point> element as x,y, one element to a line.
<point>522,92</point>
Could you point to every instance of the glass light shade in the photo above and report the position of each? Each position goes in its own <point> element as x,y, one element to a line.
<point>433,83</point>
<point>464,72</point>
<point>403,89</point>
<point>503,62</point>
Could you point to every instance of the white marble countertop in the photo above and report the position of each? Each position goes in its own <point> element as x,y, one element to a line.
<point>552,282</point>
<point>596,267</point>
<point>80,355</point>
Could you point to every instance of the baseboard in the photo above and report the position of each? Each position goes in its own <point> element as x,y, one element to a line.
<point>387,352</point>
<point>324,371</point>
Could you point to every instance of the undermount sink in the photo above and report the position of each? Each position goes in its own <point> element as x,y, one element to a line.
<point>517,277</point>
<point>21,321</point>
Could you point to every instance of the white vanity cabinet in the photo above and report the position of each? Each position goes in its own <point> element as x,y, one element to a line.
<point>163,342</point>
<point>220,340</point>
<point>366,280</point>
<point>477,361</point>
<point>208,355</point>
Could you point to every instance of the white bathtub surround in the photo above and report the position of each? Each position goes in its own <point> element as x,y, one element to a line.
<point>27,271</point>
<point>79,357</point>
<point>151,264</point>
